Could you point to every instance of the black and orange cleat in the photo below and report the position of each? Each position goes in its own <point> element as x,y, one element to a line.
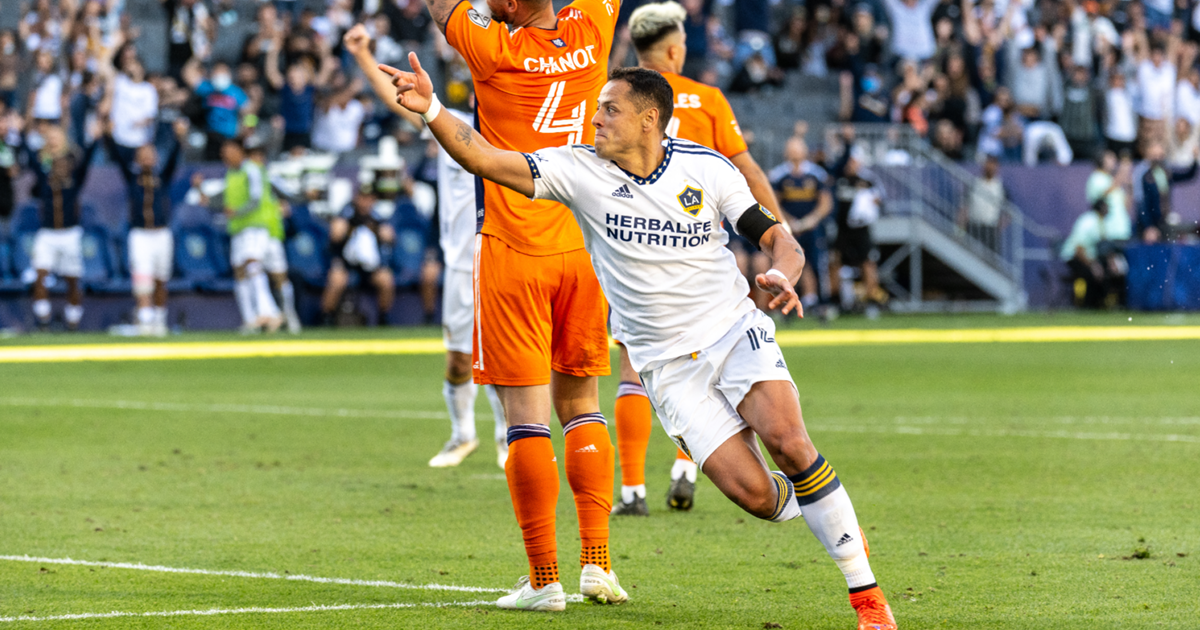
<point>873,610</point>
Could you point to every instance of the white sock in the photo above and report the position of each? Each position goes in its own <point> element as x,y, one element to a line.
<point>682,468</point>
<point>460,401</point>
<point>264,302</point>
<point>145,315</point>
<point>160,315</point>
<point>288,295</point>
<point>501,434</point>
<point>244,293</point>
<point>846,288</point>
<point>789,508</point>
<point>629,492</point>
<point>41,310</point>
<point>72,313</point>
<point>833,522</point>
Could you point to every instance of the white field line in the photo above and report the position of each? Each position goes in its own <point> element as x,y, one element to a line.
<point>1005,433</point>
<point>274,410</point>
<point>239,611</point>
<point>249,574</point>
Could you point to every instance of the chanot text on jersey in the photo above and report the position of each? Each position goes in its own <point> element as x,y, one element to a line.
<point>573,60</point>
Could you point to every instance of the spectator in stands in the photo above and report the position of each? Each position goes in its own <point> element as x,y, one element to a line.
<point>1187,94</point>
<point>1182,139</point>
<point>756,73</point>
<point>9,171</point>
<point>151,246</point>
<point>355,237</point>
<point>863,98</point>
<point>1035,81</point>
<point>751,20</point>
<point>912,26</point>
<point>10,68</point>
<point>340,119</point>
<point>1120,122</point>
<point>132,104</point>
<point>1109,182</point>
<point>1079,114</point>
<point>1156,81</point>
<point>1153,180</point>
<point>223,103</point>
<point>47,96</point>
<point>297,96</point>
<point>790,42</point>
<point>983,215</point>
<point>190,28</point>
<point>1098,268</point>
<point>695,28</point>
<point>60,170</point>
<point>1003,128</point>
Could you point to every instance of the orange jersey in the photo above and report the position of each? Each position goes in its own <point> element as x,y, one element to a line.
<point>703,116</point>
<point>534,88</point>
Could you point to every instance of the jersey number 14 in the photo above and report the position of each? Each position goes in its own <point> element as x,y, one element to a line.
<point>545,122</point>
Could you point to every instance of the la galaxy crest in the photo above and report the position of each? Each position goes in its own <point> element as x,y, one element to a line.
<point>691,200</point>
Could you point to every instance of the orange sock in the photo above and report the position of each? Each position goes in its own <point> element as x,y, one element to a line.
<point>634,425</point>
<point>679,454</point>
<point>589,461</point>
<point>533,484</point>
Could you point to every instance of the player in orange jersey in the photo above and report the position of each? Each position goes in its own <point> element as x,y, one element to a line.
<point>703,116</point>
<point>540,316</point>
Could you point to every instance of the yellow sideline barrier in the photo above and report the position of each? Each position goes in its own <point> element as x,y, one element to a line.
<point>786,338</point>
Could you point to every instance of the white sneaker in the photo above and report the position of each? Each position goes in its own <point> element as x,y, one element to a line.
<point>600,586</point>
<point>502,453</point>
<point>453,453</point>
<point>548,598</point>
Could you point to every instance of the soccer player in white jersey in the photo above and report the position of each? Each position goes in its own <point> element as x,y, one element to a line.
<point>456,217</point>
<point>650,209</point>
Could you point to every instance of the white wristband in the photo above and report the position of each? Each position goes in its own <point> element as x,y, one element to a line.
<point>435,108</point>
<point>776,272</point>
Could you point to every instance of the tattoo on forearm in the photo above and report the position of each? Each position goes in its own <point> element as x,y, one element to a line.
<point>463,134</point>
<point>440,11</point>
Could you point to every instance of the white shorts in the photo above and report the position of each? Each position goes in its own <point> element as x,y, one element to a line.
<point>697,398</point>
<point>249,244</point>
<point>151,254</point>
<point>458,310</point>
<point>275,258</point>
<point>59,251</point>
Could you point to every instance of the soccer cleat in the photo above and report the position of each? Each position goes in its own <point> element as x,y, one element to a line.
<point>600,586</point>
<point>502,452</point>
<point>680,496</point>
<point>270,325</point>
<point>524,597</point>
<point>453,453</point>
<point>636,507</point>
<point>873,610</point>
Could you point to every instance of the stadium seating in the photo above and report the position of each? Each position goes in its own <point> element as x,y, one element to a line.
<point>412,232</point>
<point>198,259</point>
<point>9,282</point>
<point>306,255</point>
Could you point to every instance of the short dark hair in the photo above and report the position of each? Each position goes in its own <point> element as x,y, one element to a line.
<point>648,89</point>
<point>649,40</point>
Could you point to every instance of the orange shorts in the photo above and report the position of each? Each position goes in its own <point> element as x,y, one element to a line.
<point>534,314</point>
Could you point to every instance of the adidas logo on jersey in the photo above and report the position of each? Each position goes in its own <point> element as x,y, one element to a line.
<point>780,364</point>
<point>623,192</point>
<point>844,539</point>
<point>590,448</point>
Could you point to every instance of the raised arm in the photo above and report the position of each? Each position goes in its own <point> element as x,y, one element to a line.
<point>358,43</point>
<point>414,92</point>
<point>440,11</point>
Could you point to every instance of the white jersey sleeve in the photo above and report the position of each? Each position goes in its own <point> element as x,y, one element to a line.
<point>554,171</point>
<point>456,208</point>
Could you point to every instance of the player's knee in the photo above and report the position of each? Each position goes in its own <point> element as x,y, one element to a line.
<point>791,448</point>
<point>143,284</point>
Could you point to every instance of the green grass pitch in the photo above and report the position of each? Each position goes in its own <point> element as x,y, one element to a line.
<point>1000,486</point>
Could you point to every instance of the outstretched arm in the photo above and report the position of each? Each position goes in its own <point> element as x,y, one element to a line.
<point>414,92</point>
<point>358,43</point>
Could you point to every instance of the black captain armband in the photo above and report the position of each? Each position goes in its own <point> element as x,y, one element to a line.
<point>755,222</point>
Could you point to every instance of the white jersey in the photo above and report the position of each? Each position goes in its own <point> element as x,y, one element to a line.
<point>657,244</point>
<point>456,208</point>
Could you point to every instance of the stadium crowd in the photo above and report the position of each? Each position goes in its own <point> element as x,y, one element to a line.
<point>1115,82</point>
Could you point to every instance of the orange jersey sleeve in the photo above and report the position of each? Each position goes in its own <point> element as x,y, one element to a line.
<point>534,88</point>
<point>703,115</point>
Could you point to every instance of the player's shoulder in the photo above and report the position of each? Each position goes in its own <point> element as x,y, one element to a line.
<point>693,152</point>
<point>815,170</point>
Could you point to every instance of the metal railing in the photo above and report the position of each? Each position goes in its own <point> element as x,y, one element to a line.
<point>919,180</point>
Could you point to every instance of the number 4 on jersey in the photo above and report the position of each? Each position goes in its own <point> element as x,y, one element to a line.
<point>545,122</point>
